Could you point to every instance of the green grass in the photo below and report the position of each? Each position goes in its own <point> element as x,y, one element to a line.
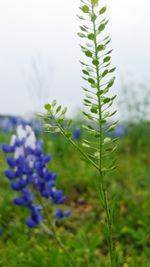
<point>83,232</point>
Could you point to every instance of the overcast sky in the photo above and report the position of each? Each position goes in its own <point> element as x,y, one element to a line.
<point>45,31</point>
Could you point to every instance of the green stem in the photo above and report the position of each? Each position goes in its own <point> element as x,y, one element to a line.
<point>109,226</point>
<point>103,190</point>
<point>74,144</point>
<point>54,233</point>
<point>61,245</point>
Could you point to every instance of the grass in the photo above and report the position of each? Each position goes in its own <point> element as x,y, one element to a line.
<point>83,232</point>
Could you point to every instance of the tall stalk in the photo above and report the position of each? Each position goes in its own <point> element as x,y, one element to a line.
<point>98,146</point>
<point>103,190</point>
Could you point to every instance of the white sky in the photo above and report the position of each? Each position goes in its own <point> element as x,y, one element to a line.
<point>47,28</point>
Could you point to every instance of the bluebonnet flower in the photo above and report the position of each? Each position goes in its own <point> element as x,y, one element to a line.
<point>28,173</point>
<point>35,218</point>
<point>7,149</point>
<point>77,133</point>
<point>59,214</point>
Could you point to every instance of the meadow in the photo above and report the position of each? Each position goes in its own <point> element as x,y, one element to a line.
<point>82,233</point>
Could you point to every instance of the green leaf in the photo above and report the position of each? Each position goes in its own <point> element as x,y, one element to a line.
<point>111,82</point>
<point>94,2</point>
<point>83,29</point>
<point>90,80</point>
<point>103,121</point>
<point>90,69</point>
<point>105,73</point>
<point>89,96</point>
<point>109,52</point>
<point>47,119</point>
<point>85,145</point>
<point>102,10</point>
<point>101,27</point>
<point>94,108</point>
<point>84,64</point>
<point>100,92</point>
<point>87,101</point>
<point>88,53</point>
<point>86,90</point>
<point>107,140</point>
<point>107,64</point>
<point>85,72</point>
<point>101,47</point>
<point>64,111</point>
<point>54,103</point>
<point>113,113</point>
<point>95,62</point>
<point>68,134</point>
<point>106,100</point>
<point>89,45</point>
<point>57,130</point>
<point>112,128</point>
<point>113,97</point>
<point>106,59</point>
<point>60,121</point>
<point>82,35</point>
<point>80,17</point>
<point>97,155</point>
<point>112,70</point>
<point>48,127</point>
<point>90,127</point>
<point>108,42</point>
<point>58,109</point>
<point>91,36</point>
<point>40,115</point>
<point>87,115</point>
<point>93,17</point>
<point>47,107</point>
<point>85,9</point>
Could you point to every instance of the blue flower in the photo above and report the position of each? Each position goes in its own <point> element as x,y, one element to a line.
<point>11,162</point>
<point>57,197</point>
<point>59,214</point>
<point>18,185</point>
<point>29,173</point>
<point>77,133</point>
<point>10,174</point>
<point>35,218</point>
<point>7,149</point>
<point>25,200</point>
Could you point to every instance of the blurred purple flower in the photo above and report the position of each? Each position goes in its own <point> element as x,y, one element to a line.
<point>28,169</point>
<point>77,134</point>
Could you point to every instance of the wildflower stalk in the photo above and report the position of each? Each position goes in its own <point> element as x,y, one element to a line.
<point>28,173</point>
<point>97,103</point>
<point>103,190</point>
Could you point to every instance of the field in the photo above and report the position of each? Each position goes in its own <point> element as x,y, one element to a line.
<point>82,233</point>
